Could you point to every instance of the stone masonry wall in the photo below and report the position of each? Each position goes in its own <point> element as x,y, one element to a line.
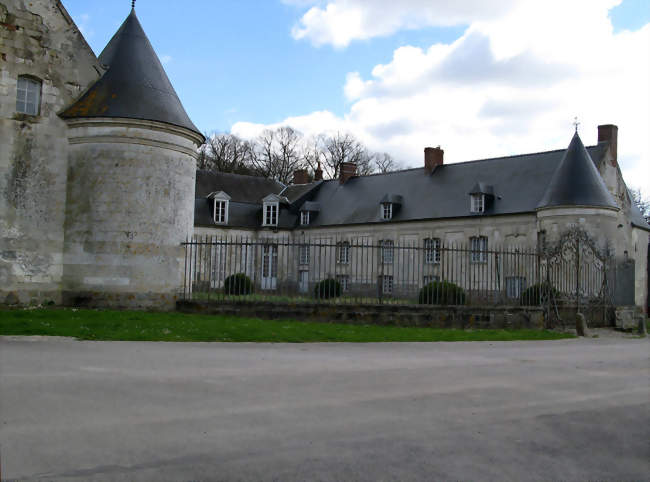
<point>37,39</point>
<point>129,206</point>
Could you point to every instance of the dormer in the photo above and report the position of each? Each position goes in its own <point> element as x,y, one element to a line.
<point>271,210</point>
<point>481,197</point>
<point>220,206</point>
<point>389,205</point>
<point>308,211</point>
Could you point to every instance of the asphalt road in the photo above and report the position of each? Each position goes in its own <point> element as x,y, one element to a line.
<point>557,410</point>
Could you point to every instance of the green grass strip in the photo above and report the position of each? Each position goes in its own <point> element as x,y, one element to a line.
<point>173,326</point>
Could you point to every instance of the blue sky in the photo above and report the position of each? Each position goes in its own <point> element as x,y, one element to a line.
<point>354,65</point>
<point>236,60</point>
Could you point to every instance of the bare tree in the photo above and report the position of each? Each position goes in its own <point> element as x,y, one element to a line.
<point>384,162</point>
<point>642,202</point>
<point>278,153</point>
<point>344,147</point>
<point>226,153</point>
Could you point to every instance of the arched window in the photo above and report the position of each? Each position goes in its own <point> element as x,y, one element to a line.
<point>28,97</point>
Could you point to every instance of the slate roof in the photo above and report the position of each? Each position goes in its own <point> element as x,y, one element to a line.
<point>518,183</point>
<point>577,182</point>
<point>240,188</point>
<point>135,86</point>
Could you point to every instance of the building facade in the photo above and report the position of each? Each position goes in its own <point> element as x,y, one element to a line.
<point>99,188</point>
<point>526,202</point>
<point>97,165</point>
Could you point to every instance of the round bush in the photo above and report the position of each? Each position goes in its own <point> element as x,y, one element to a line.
<point>441,293</point>
<point>238,284</point>
<point>537,294</point>
<point>328,288</point>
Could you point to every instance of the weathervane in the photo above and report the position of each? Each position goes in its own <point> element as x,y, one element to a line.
<point>575,121</point>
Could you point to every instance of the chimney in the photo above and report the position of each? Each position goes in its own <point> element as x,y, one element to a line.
<point>300,176</point>
<point>318,173</point>
<point>347,170</point>
<point>433,157</point>
<point>609,132</point>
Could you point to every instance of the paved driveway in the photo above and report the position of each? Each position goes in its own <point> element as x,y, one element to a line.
<point>570,410</point>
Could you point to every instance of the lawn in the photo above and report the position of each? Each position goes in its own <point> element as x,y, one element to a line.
<point>150,326</point>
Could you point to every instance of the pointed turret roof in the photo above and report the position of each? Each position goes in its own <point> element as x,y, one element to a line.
<point>135,85</point>
<point>576,181</point>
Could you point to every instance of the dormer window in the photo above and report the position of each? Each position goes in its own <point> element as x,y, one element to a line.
<point>220,205</point>
<point>477,203</point>
<point>28,95</point>
<point>308,211</point>
<point>270,214</point>
<point>387,211</point>
<point>388,205</point>
<point>481,197</point>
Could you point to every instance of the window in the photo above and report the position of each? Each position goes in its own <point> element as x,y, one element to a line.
<point>304,218</point>
<point>386,251</point>
<point>28,98</point>
<point>387,211</point>
<point>343,252</point>
<point>344,281</point>
<point>432,250</point>
<point>430,279</point>
<point>387,284</point>
<point>515,285</point>
<point>304,254</point>
<point>270,214</point>
<point>478,246</point>
<point>477,203</point>
<point>220,212</point>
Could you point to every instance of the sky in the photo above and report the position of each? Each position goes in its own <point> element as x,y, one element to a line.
<point>480,79</point>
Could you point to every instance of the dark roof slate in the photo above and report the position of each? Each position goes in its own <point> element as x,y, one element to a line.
<point>295,192</point>
<point>240,188</point>
<point>576,181</point>
<point>518,183</point>
<point>135,86</point>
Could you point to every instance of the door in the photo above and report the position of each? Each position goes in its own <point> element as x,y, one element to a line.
<point>303,281</point>
<point>269,266</point>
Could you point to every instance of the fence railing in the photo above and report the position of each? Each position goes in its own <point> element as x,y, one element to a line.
<point>365,271</point>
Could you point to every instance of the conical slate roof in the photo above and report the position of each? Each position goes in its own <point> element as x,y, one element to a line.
<point>576,181</point>
<point>135,86</point>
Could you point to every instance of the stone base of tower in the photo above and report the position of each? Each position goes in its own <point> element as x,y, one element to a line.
<point>121,300</point>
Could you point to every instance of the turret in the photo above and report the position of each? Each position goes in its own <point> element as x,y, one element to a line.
<point>577,197</point>
<point>131,176</point>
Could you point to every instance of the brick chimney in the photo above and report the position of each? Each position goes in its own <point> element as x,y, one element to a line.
<point>347,170</point>
<point>318,173</point>
<point>433,157</point>
<point>609,132</point>
<point>300,176</point>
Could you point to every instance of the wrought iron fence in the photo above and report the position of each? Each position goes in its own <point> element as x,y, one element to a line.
<point>366,271</point>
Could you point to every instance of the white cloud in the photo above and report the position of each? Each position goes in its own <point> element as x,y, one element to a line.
<point>339,22</point>
<point>165,59</point>
<point>511,84</point>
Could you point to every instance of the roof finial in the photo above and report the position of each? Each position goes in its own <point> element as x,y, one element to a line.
<point>133,4</point>
<point>575,122</point>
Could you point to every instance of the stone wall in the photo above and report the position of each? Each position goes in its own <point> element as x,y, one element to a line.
<point>461,317</point>
<point>130,204</point>
<point>37,39</point>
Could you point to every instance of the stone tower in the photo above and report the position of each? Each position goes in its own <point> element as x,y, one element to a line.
<point>131,175</point>
<point>578,196</point>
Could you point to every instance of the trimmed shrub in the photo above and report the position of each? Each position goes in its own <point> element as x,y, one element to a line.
<point>441,293</point>
<point>328,288</point>
<point>238,284</point>
<point>537,294</point>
